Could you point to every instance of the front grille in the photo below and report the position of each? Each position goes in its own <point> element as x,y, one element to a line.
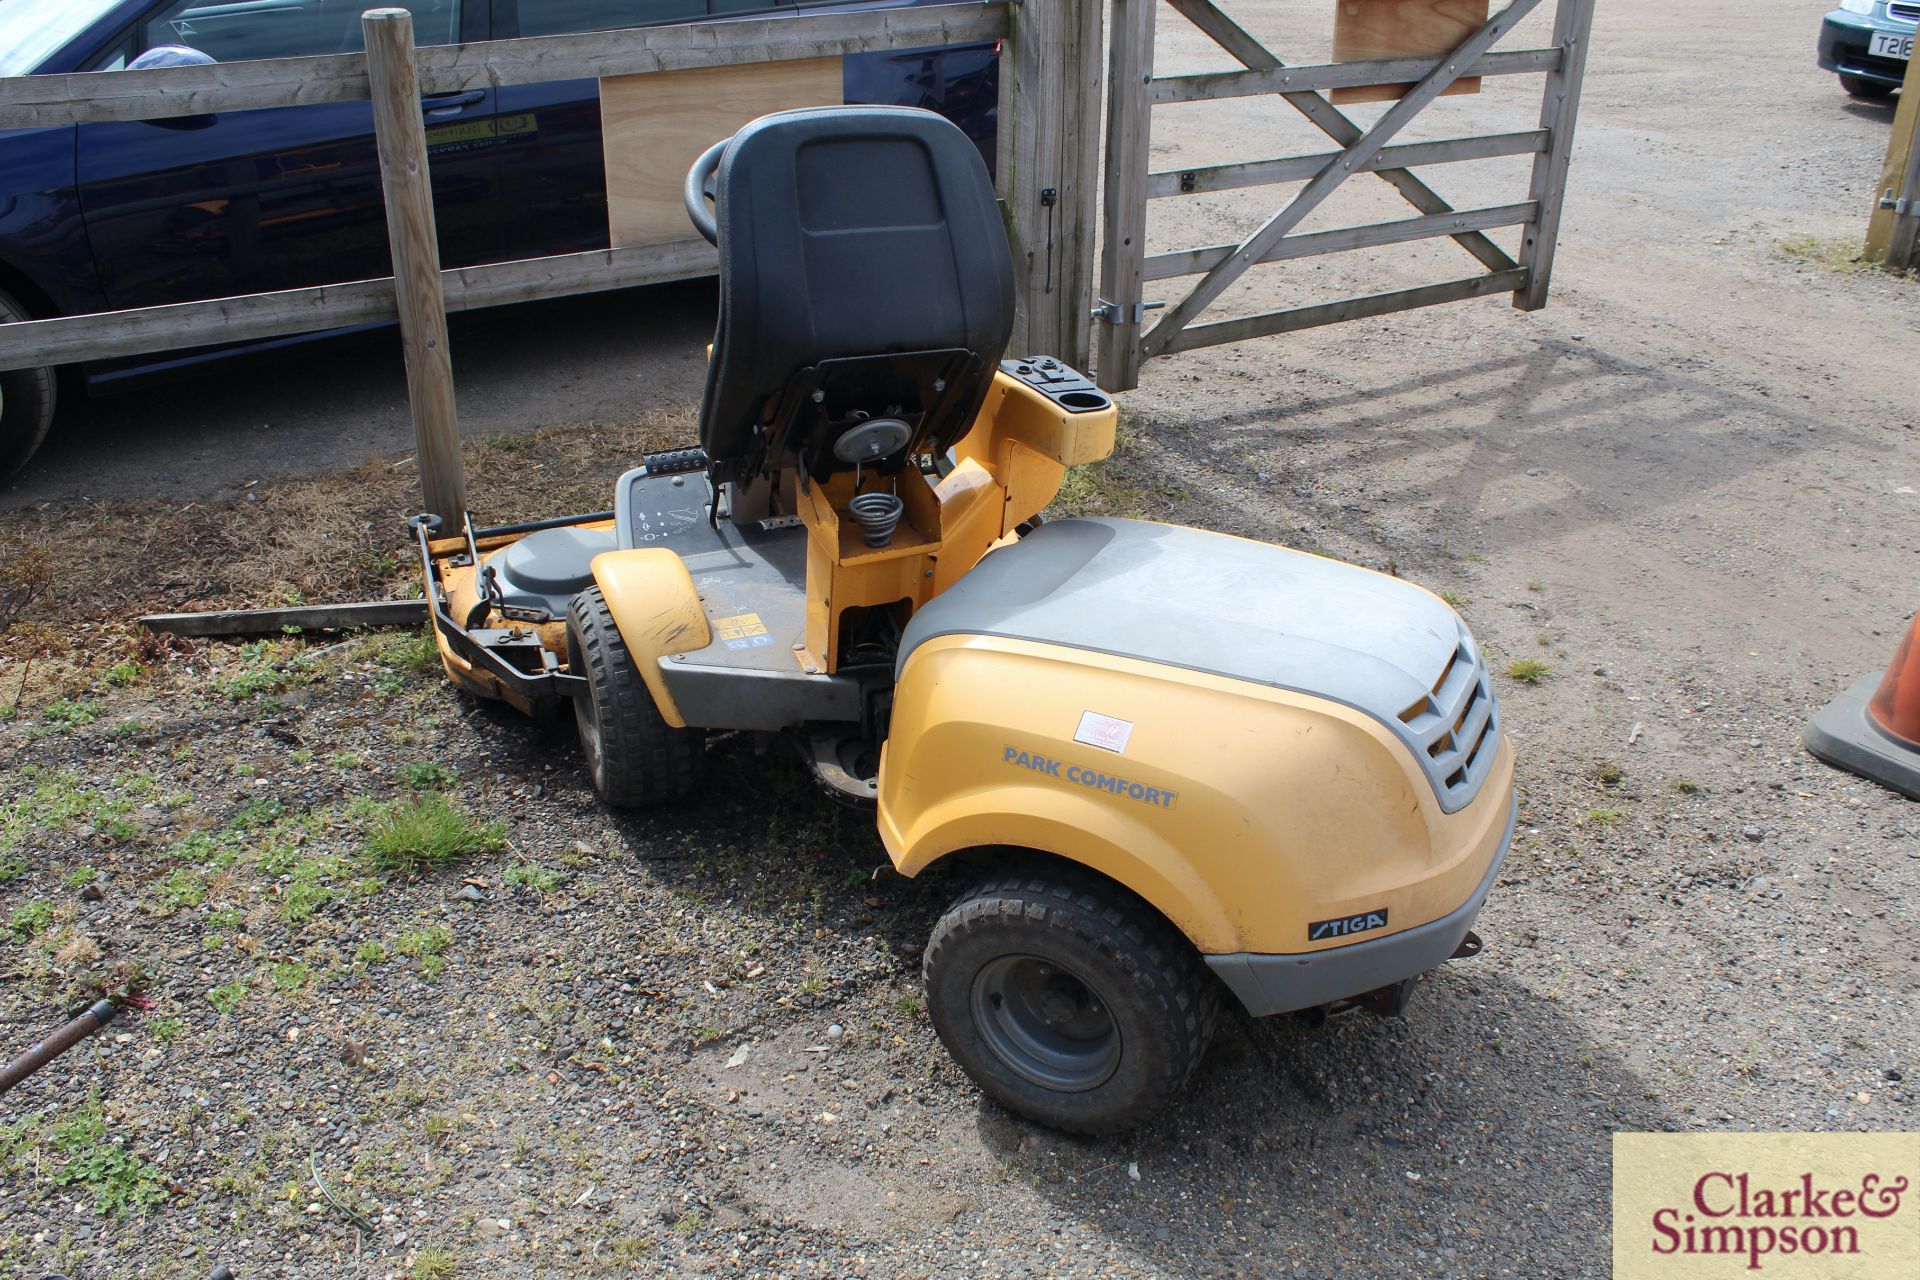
<point>1455,727</point>
<point>1904,12</point>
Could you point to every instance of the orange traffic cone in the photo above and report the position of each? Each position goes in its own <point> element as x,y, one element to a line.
<point>1873,729</point>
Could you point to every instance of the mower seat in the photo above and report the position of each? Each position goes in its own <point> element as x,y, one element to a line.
<point>864,274</point>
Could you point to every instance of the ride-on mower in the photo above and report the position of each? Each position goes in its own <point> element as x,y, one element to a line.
<point>1182,761</point>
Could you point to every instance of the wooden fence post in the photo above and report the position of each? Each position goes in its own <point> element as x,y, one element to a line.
<point>416,260</point>
<point>1129,123</point>
<point>1049,166</point>
<point>1559,107</point>
<point>1893,229</point>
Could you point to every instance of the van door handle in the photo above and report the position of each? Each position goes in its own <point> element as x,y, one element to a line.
<point>446,104</point>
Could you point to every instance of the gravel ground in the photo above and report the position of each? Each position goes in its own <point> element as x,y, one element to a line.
<point>694,1043</point>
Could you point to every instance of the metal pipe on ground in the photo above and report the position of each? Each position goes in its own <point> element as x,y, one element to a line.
<point>59,1042</point>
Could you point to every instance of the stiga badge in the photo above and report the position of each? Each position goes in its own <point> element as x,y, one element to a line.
<point>1106,732</point>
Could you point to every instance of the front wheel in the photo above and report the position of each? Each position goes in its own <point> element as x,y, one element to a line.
<point>1069,1000</point>
<point>27,401</point>
<point>1864,89</point>
<point>635,757</point>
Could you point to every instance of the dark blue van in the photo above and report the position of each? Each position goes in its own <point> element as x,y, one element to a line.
<point>98,217</point>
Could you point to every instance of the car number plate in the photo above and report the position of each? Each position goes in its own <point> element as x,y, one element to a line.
<point>1887,44</point>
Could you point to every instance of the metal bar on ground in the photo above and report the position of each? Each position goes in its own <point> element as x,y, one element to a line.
<point>1330,120</point>
<point>1444,72</point>
<point>40,1054</point>
<point>84,97</point>
<point>1212,86</point>
<point>411,235</point>
<point>1377,304</point>
<point>1259,173</point>
<point>1124,203</point>
<point>1559,107</point>
<point>108,334</point>
<point>272,622</point>
<point>1162,266</point>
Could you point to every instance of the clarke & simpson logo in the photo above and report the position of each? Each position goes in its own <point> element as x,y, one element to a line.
<point>1798,1205</point>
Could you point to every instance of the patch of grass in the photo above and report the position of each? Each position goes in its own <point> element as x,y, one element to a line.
<point>1528,670</point>
<point>183,887</point>
<point>257,813</point>
<point>166,1030</point>
<point>290,977</point>
<point>11,869</point>
<point>1099,490</point>
<point>1606,773</point>
<point>209,851</point>
<point>1454,600</point>
<point>425,775</point>
<point>264,666</point>
<point>120,1181</point>
<point>30,919</point>
<point>412,652</point>
<point>79,877</point>
<point>226,918</point>
<point>55,800</point>
<point>428,831</point>
<point>228,996</point>
<point>302,899</point>
<point>121,675</point>
<point>70,713</point>
<point>433,1263</point>
<point>428,946</point>
<point>532,876</point>
<point>1686,788</point>
<point>1844,254</point>
<point>1605,817</point>
<point>370,952</point>
<point>344,760</point>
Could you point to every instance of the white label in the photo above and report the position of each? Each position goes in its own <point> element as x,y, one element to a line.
<point>1104,732</point>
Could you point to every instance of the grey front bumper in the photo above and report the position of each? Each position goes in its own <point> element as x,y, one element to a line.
<point>1269,984</point>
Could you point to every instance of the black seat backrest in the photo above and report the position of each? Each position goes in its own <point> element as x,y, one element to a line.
<point>864,273</point>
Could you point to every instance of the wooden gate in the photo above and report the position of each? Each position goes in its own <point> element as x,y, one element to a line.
<point>1124,340</point>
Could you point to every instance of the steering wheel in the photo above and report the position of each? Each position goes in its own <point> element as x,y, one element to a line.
<point>699,191</point>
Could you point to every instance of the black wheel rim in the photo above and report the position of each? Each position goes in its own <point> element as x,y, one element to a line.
<point>1046,1023</point>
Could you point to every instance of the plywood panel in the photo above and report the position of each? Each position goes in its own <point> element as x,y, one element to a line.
<point>1364,29</point>
<point>656,125</point>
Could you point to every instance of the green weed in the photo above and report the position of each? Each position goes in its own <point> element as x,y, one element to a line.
<point>166,1030</point>
<point>424,775</point>
<point>122,674</point>
<point>79,877</point>
<point>428,831</point>
<point>119,1180</point>
<point>30,919</point>
<point>291,977</point>
<point>183,887</point>
<point>70,713</point>
<point>264,666</point>
<point>433,1263</point>
<point>1528,670</point>
<point>1605,817</point>
<point>1686,788</point>
<point>228,996</point>
<point>532,876</point>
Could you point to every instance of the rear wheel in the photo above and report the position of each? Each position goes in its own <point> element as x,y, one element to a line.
<point>636,757</point>
<point>1068,1000</point>
<point>1865,89</point>
<point>27,401</point>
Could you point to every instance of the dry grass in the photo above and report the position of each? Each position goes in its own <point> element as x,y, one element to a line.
<point>339,536</point>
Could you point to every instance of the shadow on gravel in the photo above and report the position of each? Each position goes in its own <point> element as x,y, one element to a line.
<point>1470,1137</point>
<point>1560,437</point>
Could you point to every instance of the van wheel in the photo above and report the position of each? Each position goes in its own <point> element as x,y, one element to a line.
<point>636,757</point>
<point>27,401</point>
<point>1069,1000</point>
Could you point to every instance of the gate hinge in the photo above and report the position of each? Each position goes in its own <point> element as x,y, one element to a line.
<point>1049,196</point>
<point>1110,311</point>
<point>1902,206</point>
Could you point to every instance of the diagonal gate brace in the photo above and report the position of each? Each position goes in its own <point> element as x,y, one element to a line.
<point>1357,153</point>
<point>1253,55</point>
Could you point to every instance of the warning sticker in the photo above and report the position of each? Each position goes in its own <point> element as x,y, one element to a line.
<point>1105,732</point>
<point>742,631</point>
